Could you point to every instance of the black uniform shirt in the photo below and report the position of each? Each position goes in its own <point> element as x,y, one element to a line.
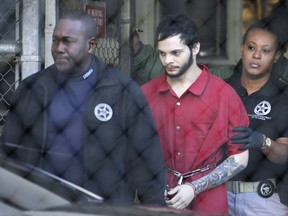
<point>267,109</point>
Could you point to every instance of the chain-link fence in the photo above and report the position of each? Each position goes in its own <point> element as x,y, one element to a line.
<point>71,160</point>
<point>8,24</point>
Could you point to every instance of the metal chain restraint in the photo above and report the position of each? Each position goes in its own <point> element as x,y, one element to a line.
<point>182,176</point>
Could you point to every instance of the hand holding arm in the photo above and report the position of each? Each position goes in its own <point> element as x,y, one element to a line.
<point>249,137</point>
<point>275,150</point>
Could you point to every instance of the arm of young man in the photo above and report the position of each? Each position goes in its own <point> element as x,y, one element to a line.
<point>227,169</point>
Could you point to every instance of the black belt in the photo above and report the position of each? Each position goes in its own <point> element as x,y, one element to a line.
<point>182,176</point>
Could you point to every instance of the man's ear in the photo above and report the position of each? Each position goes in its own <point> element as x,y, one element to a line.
<point>91,44</point>
<point>196,49</point>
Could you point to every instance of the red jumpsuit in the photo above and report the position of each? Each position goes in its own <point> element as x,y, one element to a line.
<point>195,130</point>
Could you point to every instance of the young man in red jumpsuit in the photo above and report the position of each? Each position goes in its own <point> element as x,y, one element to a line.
<point>195,113</point>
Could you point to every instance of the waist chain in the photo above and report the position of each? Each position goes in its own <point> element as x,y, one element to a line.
<point>188,174</point>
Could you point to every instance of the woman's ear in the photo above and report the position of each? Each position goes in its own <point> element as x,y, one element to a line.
<point>241,48</point>
<point>277,56</point>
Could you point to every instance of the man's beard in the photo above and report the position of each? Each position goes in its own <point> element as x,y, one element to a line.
<point>183,69</point>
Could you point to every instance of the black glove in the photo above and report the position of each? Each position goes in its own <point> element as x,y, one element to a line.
<point>252,139</point>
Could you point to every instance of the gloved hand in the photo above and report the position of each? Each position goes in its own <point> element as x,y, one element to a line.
<point>252,139</point>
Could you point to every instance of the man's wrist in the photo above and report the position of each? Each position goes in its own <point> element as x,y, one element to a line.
<point>193,187</point>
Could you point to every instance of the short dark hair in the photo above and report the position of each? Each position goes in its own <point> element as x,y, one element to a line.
<point>178,24</point>
<point>266,25</point>
<point>86,19</point>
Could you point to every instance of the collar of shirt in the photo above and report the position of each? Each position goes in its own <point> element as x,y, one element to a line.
<point>83,76</point>
<point>269,89</point>
<point>196,88</point>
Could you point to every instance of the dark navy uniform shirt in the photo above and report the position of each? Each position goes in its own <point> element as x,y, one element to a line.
<point>65,125</point>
